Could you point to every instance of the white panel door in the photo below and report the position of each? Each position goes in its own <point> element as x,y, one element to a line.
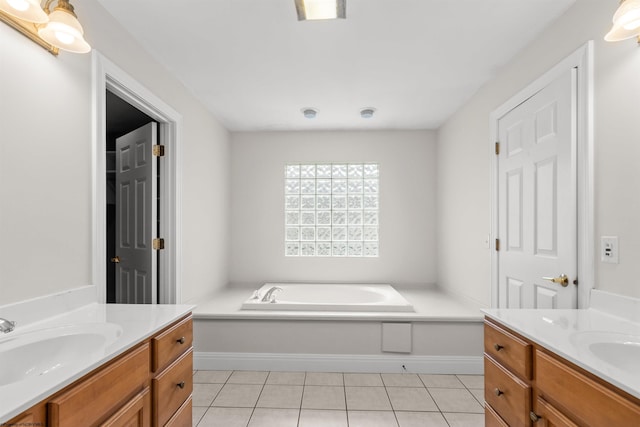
<point>537,183</point>
<point>136,213</point>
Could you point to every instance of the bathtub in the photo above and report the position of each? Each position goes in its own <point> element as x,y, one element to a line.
<point>328,297</point>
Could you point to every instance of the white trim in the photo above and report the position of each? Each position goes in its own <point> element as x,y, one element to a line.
<point>107,75</point>
<point>338,363</point>
<point>582,61</point>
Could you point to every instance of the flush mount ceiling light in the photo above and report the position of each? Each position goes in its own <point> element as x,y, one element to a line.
<point>311,10</point>
<point>626,22</point>
<point>309,113</point>
<point>367,113</point>
<point>53,30</point>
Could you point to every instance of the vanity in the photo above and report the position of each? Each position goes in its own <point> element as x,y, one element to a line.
<point>561,368</point>
<point>132,365</point>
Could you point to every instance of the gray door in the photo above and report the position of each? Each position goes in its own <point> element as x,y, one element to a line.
<point>136,213</point>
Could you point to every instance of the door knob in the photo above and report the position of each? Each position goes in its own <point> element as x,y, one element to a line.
<point>115,259</point>
<point>561,280</point>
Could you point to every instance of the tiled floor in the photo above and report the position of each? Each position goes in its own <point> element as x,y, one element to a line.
<point>315,399</point>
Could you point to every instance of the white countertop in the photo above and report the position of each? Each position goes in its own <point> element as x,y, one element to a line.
<point>134,322</point>
<point>568,333</point>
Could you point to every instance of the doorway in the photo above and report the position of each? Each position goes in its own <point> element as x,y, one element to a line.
<point>123,119</point>
<point>532,227</point>
<point>109,78</point>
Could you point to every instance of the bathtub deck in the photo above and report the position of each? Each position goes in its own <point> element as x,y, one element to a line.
<point>430,305</point>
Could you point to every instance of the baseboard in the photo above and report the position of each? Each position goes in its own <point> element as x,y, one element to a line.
<point>338,363</point>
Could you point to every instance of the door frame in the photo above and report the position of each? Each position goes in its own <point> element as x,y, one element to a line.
<point>107,75</point>
<point>582,61</point>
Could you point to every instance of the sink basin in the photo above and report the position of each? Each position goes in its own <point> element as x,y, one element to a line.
<point>619,350</point>
<point>43,351</point>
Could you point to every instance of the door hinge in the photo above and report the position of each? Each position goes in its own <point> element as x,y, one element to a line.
<point>158,150</point>
<point>497,148</point>
<point>497,245</point>
<point>158,244</point>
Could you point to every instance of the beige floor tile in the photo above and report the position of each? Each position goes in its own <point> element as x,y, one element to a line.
<point>402,380</point>
<point>248,377</point>
<point>421,419</point>
<point>263,417</point>
<point>411,399</point>
<point>479,395</point>
<point>464,420</point>
<point>323,397</point>
<point>322,418</point>
<point>203,394</point>
<point>367,399</point>
<point>324,378</point>
<point>363,380</point>
<point>441,381</point>
<point>196,414</point>
<point>472,381</point>
<point>286,378</point>
<point>238,396</point>
<point>211,377</point>
<point>226,417</point>
<point>372,419</point>
<point>280,396</point>
<point>455,400</point>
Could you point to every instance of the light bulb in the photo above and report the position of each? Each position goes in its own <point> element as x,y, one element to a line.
<point>64,38</point>
<point>20,5</point>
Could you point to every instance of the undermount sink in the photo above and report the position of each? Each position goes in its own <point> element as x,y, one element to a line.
<point>616,349</point>
<point>42,351</point>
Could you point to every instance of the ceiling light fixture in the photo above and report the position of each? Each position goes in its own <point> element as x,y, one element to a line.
<point>626,22</point>
<point>53,30</point>
<point>311,10</point>
<point>367,113</point>
<point>309,113</point>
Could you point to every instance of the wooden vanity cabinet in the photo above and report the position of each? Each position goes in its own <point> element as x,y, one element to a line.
<point>527,385</point>
<point>149,385</point>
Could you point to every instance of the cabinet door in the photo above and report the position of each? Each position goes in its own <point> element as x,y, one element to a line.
<point>550,416</point>
<point>136,413</point>
<point>98,395</point>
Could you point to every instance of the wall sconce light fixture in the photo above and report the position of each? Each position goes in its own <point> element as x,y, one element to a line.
<point>626,22</point>
<point>311,10</point>
<point>53,30</point>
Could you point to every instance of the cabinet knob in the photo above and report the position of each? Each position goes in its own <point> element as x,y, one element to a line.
<point>498,347</point>
<point>534,417</point>
<point>181,384</point>
<point>180,340</point>
<point>498,392</point>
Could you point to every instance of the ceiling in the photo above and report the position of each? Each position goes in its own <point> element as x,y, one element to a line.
<point>255,66</point>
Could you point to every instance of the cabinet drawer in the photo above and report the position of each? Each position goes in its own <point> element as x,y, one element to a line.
<point>172,387</point>
<point>170,344</point>
<point>507,394</point>
<point>136,413</point>
<point>581,398</point>
<point>492,419</point>
<point>183,417</point>
<point>114,385</point>
<point>508,350</point>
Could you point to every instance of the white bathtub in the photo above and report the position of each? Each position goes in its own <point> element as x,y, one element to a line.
<point>329,297</point>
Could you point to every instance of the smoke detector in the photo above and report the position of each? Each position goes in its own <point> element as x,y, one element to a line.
<point>367,113</point>
<point>309,113</point>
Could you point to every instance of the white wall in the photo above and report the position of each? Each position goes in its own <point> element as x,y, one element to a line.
<point>407,211</point>
<point>464,154</point>
<point>45,164</point>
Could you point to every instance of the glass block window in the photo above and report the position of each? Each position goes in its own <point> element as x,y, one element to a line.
<point>331,209</point>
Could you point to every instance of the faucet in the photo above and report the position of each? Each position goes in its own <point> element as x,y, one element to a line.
<point>6,326</point>
<point>268,296</point>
